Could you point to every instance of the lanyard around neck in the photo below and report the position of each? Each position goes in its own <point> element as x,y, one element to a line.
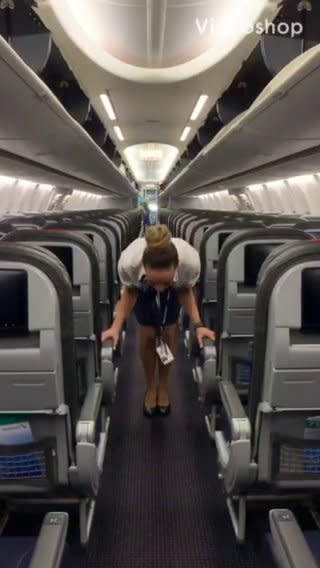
<point>165,313</point>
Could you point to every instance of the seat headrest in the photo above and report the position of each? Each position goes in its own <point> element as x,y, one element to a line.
<point>53,234</point>
<point>272,255</point>
<point>253,257</point>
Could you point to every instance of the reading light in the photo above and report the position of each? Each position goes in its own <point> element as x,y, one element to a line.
<point>185,133</point>
<point>105,99</point>
<point>118,132</point>
<point>198,107</point>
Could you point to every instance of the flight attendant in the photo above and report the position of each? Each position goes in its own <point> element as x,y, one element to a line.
<point>146,216</point>
<point>158,274</point>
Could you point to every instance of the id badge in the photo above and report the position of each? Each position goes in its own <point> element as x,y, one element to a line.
<point>164,353</point>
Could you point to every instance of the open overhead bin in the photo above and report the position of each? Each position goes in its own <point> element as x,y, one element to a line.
<point>40,140</point>
<point>279,132</point>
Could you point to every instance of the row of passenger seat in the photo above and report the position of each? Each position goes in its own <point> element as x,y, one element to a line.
<point>260,382</point>
<point>58,291</point>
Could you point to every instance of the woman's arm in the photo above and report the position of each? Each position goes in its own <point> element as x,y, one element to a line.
<point>124,308</point>
<point>188,301</point>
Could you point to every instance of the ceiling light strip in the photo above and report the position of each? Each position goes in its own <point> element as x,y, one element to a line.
<point>105,99</point>
<point>185,133</point>
<point>198,107</point>
<point>119,133</point>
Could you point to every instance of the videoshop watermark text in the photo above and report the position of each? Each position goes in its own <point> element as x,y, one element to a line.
<point>211,26</point>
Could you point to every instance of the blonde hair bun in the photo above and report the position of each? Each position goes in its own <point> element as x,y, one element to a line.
<point>158,237</point>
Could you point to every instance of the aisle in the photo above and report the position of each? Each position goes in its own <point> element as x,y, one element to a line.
<point>160,503</point>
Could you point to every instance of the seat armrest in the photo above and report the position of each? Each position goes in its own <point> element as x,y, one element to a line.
<point>209,352</point>
<point>108,375</point>
<point>233,442</point>
<point>107,351</point>
<point>209,348</point>
<point>206,352</point>
<point>291,547</point>
<point>239,422</point>
<point>86,426</point>
<point>51,541</point>
<point>208,385</point>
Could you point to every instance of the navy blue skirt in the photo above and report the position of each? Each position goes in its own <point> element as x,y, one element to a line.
<point>147,311</point>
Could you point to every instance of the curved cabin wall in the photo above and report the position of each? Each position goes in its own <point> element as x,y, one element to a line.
<point>298,196</point>
<point>23,196</point>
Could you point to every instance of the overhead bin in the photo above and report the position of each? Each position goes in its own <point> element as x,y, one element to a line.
<point>60,79</point>
<point>41,140</point>
<point>291,33</point>
<point>26,34</point>
<point>95,128</point>
<point>272,130</point>
<point>31,40</point>
<point>248,83</point>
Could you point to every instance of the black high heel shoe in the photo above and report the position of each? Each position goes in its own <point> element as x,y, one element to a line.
<point>149,411</point>
<point>164,410</point>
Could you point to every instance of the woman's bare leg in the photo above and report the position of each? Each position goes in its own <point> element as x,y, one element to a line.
<point>171,338</point>
<point>148,356</point>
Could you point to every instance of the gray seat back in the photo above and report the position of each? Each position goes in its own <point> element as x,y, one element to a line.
<point>79,257</point>
<point>284,395</point>
<point>103,249</point>
<point>40,401</point>
<point>120,225</point>
<point>185,225</point>
<point>199,229</point>
<point>210,248</point>
<point>238,267</point>
<point>181,219</point>
<point>189,228</point>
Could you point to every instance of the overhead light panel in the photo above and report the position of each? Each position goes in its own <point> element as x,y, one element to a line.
<point>301,179</point>
<point>185,133</point>
<point>275,183</point>
<point>305,178</point>
<point>255,186</point>
<point>7,179</point>
<point>105,99</point>
<point>27,182</point>
<point>150,163</point>
<point>46,186</point>
<point>198,107</point>
<point>151,153</point>
<point>118,132</point>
